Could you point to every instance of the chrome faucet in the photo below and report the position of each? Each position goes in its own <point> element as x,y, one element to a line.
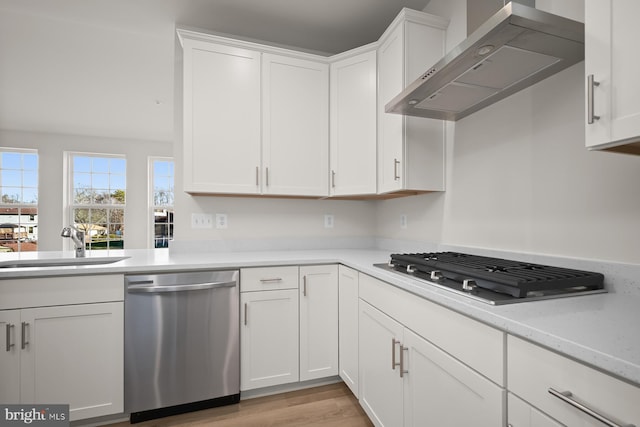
<point>78,239</point>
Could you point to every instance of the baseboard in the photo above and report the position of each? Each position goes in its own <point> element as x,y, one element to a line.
<point>283,388</point>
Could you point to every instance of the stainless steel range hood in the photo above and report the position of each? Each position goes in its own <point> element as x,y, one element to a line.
<point>515,48</point>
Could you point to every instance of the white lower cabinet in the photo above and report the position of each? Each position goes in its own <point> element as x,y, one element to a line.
<point>521,414</point>
<point>437,387</point>
<point>348,327</point>
<point>318,321</point>
<point>289,325</point>
<point>381,394</point>
<point>65,355</point>
<point>268,338</point>
<point>63,343</point>
<point>560,387</point>
<point>407,381</point>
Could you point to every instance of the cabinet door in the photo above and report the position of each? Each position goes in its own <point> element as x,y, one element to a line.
<point>221,118</point>
<point>437,387</point>
<point>353,125</point>
<point>348,327</point>
<point>268,338</point>
<point>10,356</point>
<point>380,383</point>
<point>295,126</point>
<point>318,321</point>
<point>521,414</point>
<point>410,149</point>
<point>390,126</point>
<point>74,354</point>
<point>611,34</point>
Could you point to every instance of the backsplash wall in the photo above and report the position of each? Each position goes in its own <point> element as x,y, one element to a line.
<point>520,179</point>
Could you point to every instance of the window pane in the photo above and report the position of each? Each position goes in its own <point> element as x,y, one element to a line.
<point>81,164</point>
<point>99,165</point>
<point>11,160</point>
<point>30,195</point>
<point>30,179</point>
<point>117,182</point>
<point>11,195</point>
<point>100,180</point>
<point>118,166</point>
<point>30,162</point>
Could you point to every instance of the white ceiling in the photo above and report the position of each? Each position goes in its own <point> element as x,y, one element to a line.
<point>105,67</point>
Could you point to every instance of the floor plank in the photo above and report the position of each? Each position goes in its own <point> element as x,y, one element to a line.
<point>327,406</point>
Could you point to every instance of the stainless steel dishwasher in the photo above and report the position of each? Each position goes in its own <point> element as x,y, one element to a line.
<point>182,339</point>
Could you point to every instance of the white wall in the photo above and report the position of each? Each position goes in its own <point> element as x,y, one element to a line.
<point>520,179</point>
<point>51,148</point>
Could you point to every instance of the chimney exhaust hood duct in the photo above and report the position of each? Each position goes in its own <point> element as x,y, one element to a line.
<point>516,48</point>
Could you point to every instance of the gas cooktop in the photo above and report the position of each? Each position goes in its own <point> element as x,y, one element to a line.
<point>495,280</point>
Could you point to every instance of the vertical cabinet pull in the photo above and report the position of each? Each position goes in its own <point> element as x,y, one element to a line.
<point>393,353</point>
<point>591,85</point>
<point>396,163</point>
<point>333,179</point>
<point>246,306</point>
<point>9,344</point>
<point>266,175</point>
<point>566,396</point>
<point>24,335</point>
<point>257,175</point>
<point>304,286</point>
<point>402,370</point>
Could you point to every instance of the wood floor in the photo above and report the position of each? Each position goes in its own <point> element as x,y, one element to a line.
<point>330,405</point>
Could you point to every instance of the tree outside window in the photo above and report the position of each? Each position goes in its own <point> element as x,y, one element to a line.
<point>98,199</point>
<point>18,200</point>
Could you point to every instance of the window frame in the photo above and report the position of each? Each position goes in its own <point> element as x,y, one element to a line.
<point>22,205</point>
<point>70,206</point>
<point>151,239</point>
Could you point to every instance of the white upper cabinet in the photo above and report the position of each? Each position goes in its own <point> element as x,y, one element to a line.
<point>254,122</point>
<point>221,118</point>
<point>353,123</point>
<point>612,67</point>
<point>295,126</point>
<point>410,149</point>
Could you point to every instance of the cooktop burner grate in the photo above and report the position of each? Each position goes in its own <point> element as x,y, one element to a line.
<point>515,278</point>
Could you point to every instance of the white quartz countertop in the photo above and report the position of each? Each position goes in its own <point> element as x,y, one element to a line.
<point>601,330</point>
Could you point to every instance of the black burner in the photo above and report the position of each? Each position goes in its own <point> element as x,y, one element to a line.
<point>514,278</point>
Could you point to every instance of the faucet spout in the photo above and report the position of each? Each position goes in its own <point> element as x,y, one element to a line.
<point>78,238</point>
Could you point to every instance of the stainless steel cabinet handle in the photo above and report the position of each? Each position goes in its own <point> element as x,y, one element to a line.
<point>402,370</point>
<point>333,179</point>
<point>396,163</point>
<point>591,85</point>
<point>178,288</point>
<point>275,279</point>
<point>257,175</point>
<point>24,335</point>
<point>565,396</point>
<point>266,174</point>
<point>246,306</point>
<point>304,286</point>
<point>9,345</point>
<point>393,353</point>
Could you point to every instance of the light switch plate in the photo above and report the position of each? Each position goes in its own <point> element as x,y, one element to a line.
<point>201,220</point>
<point>221,221</point>
<point>328,221</point>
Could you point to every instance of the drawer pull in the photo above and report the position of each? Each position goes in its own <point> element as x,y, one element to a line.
<point>393,353</point>
<point>274,280</point>
<point>566,396</point>
<point>8,331</point>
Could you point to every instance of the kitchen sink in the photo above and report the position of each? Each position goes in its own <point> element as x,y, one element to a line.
<point>59,262</point>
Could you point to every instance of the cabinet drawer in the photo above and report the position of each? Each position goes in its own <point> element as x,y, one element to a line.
<point>533,371</point>
<point>268,278</point>
<point>48,291</point>
<point>477,345</point>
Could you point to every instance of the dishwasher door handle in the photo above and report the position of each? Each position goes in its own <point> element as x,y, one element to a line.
<point>133,288</point>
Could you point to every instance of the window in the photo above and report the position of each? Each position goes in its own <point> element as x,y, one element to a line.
<point>19,204</point>
<point>98,195</point>
<point>162,191</point>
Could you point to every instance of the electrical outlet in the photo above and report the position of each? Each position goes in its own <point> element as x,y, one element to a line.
<point>221,221</point>
<point>201,220</point>
<point>403,221</point>
<point>328,221</point>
